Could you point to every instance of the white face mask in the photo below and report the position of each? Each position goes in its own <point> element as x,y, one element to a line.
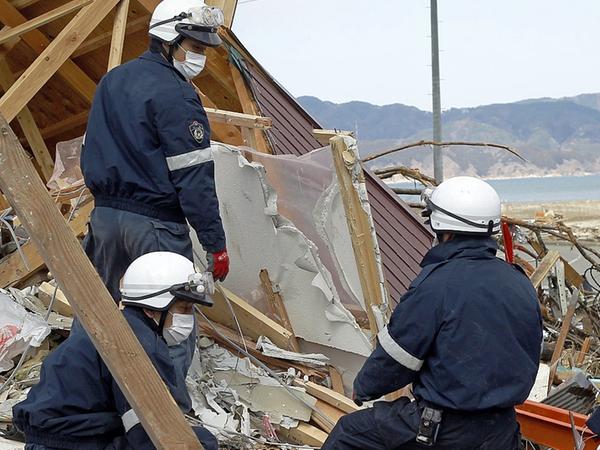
<point>192,66</point>
<point>180,329</point>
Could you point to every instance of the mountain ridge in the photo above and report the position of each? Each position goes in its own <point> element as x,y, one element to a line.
<point>558,136</point>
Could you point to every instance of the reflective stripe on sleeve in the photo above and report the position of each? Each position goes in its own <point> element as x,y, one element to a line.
<point>130,420</point>
<point>190,159</point>
<point>400,355</point>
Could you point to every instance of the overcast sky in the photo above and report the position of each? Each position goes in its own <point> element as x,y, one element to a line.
<point>378,51</point>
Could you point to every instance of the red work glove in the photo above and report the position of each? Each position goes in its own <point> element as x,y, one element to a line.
<point>218,264</point>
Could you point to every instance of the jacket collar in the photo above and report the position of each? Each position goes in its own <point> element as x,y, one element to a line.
<point>160,59</point>
<point>461,247</point>
<point>133,311</point>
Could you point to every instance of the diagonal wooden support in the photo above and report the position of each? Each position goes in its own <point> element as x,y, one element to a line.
<point>53,57</point>
<point>255,138</point>
<point>30,129</point>
<point>38,42</point>
<point>115,54</point>
<point>68,8</point>
<point>93,305</point>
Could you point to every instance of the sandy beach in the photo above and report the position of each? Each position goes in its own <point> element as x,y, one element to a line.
<point>582,215</point>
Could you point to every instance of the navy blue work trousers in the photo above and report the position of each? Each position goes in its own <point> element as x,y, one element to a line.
<point>394,426</point>
<point>116,238</point>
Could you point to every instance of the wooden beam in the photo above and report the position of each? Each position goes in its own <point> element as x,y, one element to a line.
<point>277,306</point>
<point>29,127</point>
<point>228,6</point>
<point>38,42</point>
<point>238,119</point>
<point>329,396</point>
<point>337,383</point>
<point>93,305</point>
<point>67,8</point>
<point>115,54</point>
<point>20,4</point>
<point>13,269</point>
<point>331,413</point>
<point>543,269</point>
<point>65,125</point>
<point>222,132</point>
<point>53,57</point>
<point>305,434</point>
<point>323,136</point>
<point>562,336</point>
<point>256,138</point>
<point>253,322</point>
<point>104,39</point>
<point>61,304</point>
<point>585,348</point>
<point>349,171</point>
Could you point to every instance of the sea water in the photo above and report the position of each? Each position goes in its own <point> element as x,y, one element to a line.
<point>542,189</point>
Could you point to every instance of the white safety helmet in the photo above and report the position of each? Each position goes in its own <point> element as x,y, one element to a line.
<point>155,280</point>
<point>463,205</point>
<point>173,20</point>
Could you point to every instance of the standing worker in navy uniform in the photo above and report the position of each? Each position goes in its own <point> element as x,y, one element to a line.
<point>467,335</point>
<point>77,404</point>
<point>146,156</point>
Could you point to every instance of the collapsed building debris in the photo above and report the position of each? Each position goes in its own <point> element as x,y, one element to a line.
<point>296,319</point>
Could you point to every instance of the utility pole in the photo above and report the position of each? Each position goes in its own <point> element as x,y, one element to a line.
<point>438,162</point>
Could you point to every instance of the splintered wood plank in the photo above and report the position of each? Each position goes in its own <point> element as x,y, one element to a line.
<point>53,57</point>
<point>276,303</point>
<point>329,396</point>
<point>13,269</point>
<point>30,129</point>
<point>305,434</point>
<point>252,322</point>
<point>118,37</point>
<point>327,416</point>
<point>347,166</point>
<point>38,42</point>
<point>61,304</point>
<point>542,271</point>
<point>105,325</point>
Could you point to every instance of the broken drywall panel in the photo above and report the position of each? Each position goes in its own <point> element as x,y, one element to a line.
<point>330,222</point>
<point>308,195</point>
<point>269,349</point>
<point>259,238</point>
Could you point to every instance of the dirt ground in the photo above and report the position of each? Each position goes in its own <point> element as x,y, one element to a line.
<point>583,216</point>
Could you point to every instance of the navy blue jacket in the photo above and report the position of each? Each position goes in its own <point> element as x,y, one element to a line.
<point>467,333</point>
<point>147,148</point>
<point>78,405</point>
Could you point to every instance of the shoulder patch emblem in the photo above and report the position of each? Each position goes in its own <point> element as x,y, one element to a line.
<point>197,131</point>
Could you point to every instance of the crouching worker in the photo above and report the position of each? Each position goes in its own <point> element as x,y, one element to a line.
<point>77,404</point>
<point>467,335</point>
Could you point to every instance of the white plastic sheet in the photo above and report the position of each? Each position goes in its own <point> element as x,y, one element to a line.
<point>18,328</point>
